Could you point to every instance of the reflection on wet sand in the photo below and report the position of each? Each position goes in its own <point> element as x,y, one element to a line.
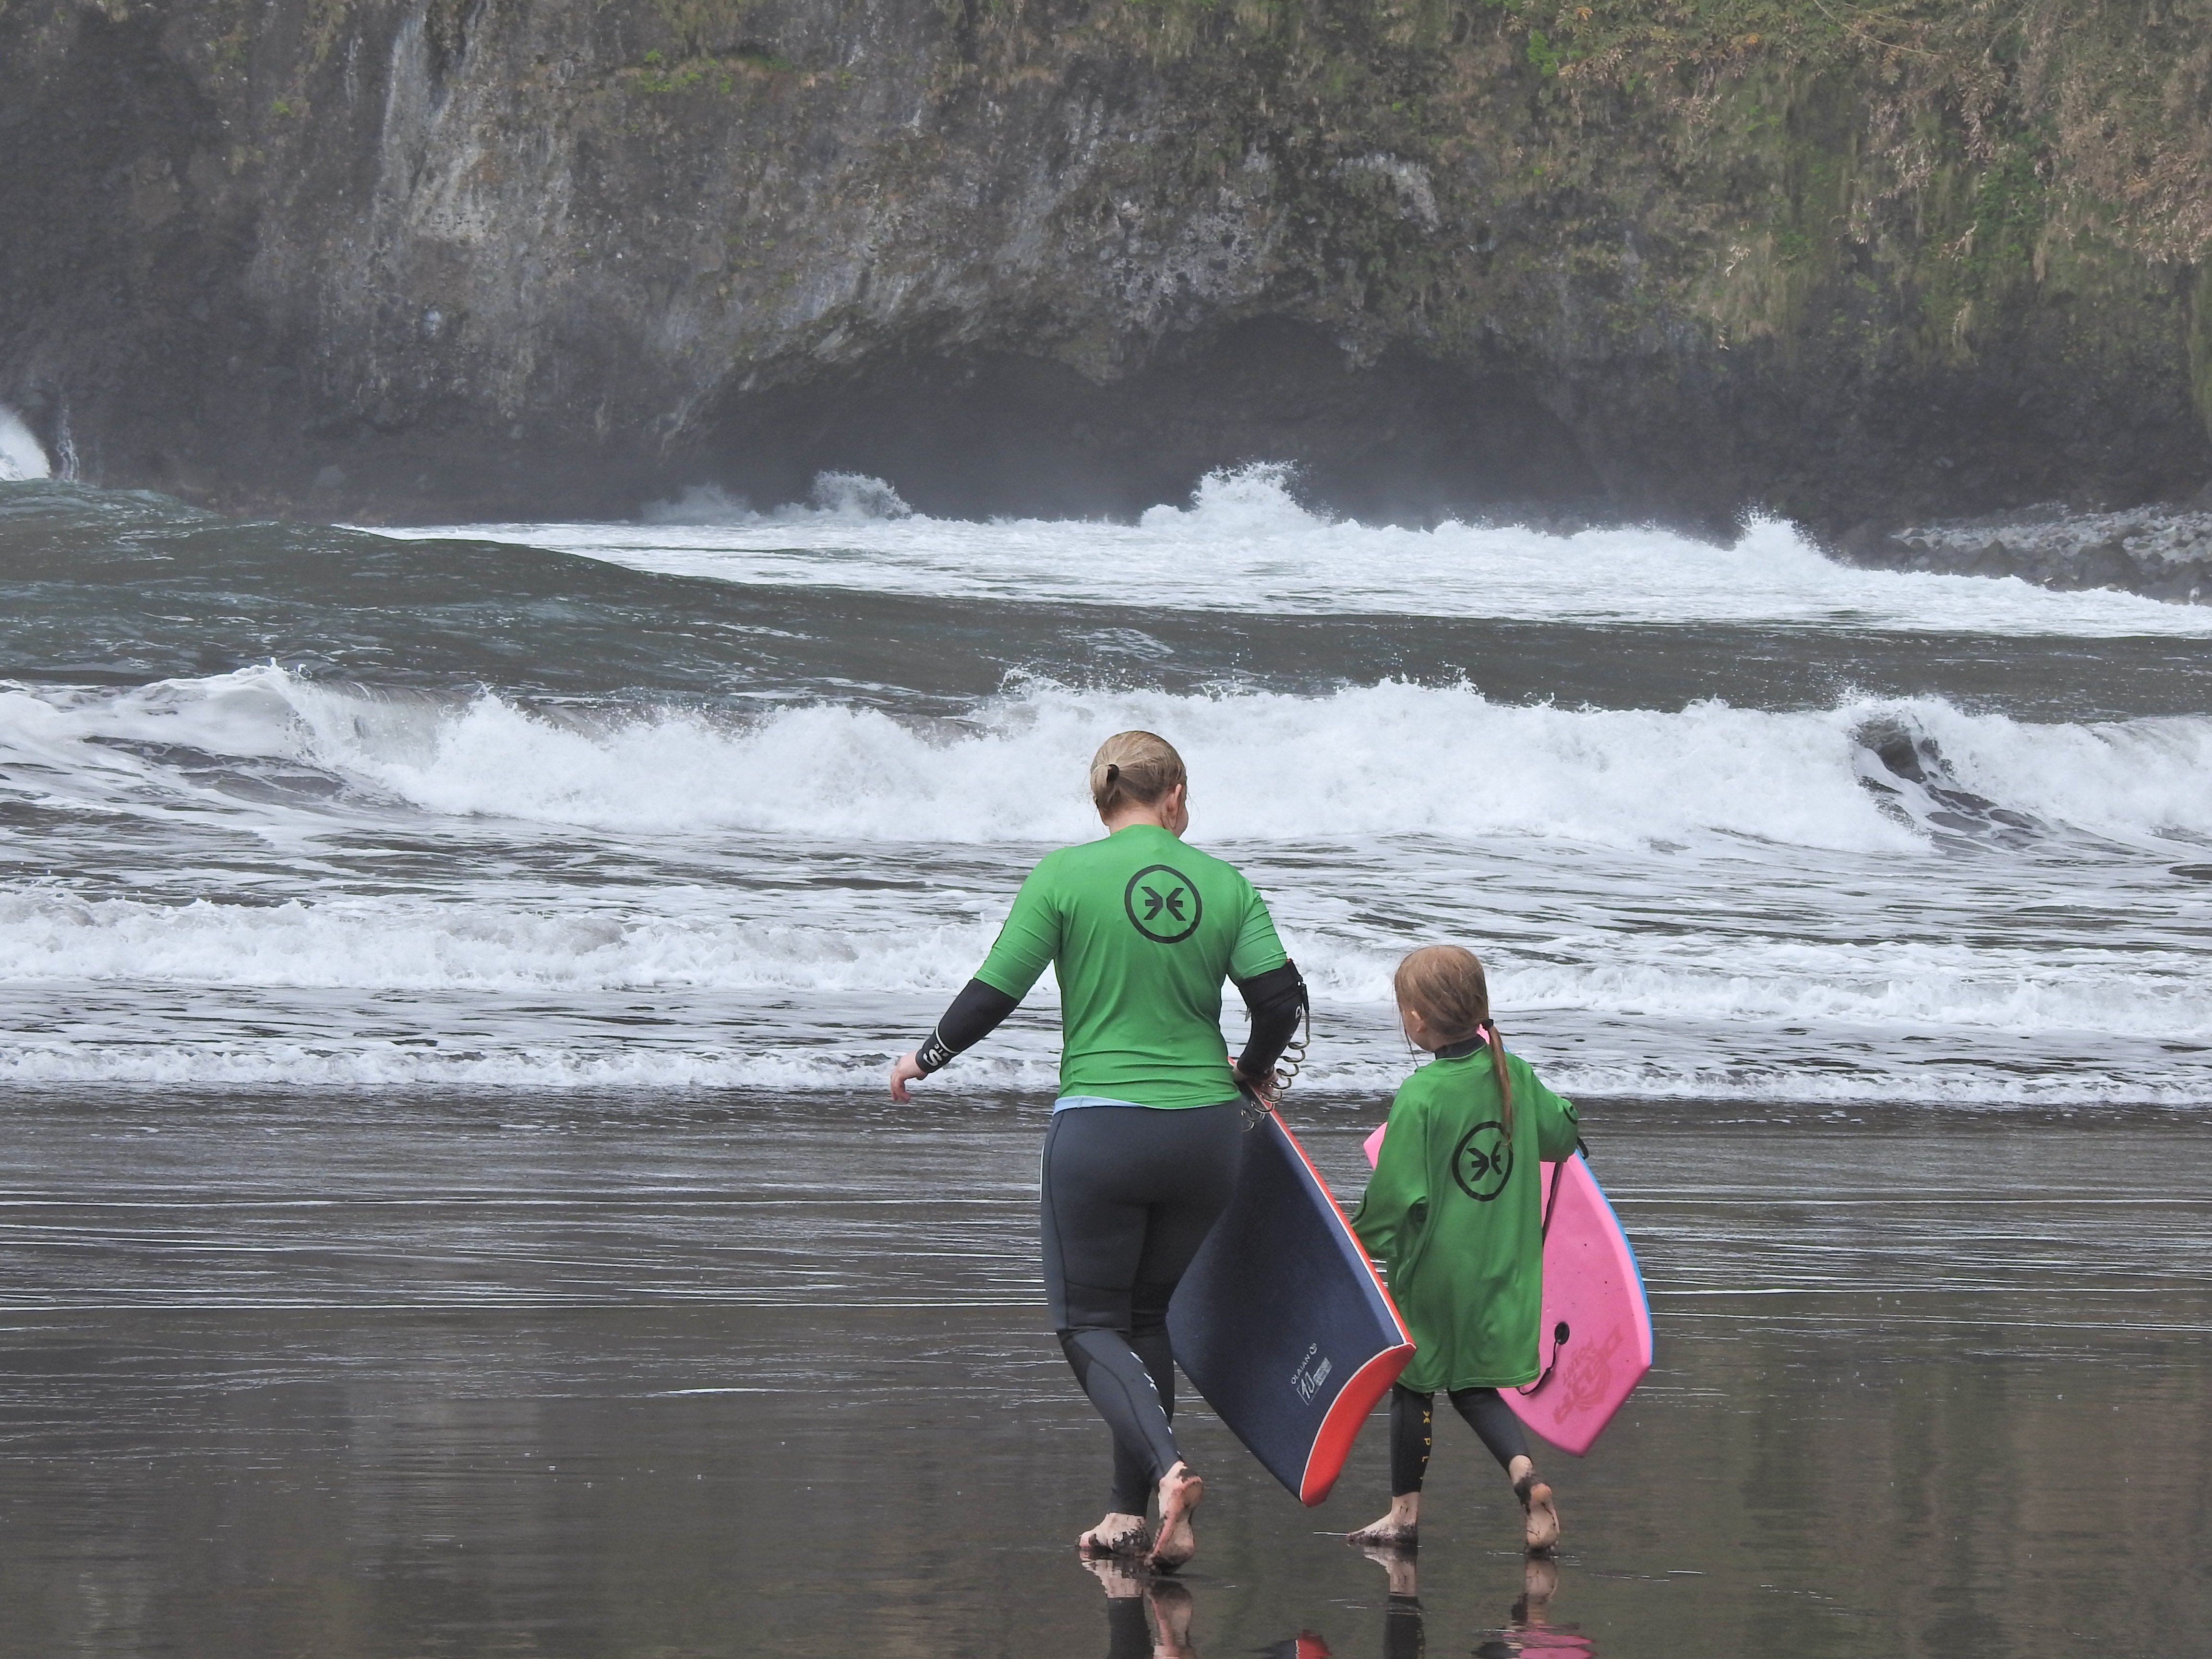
<point>1147,1614</point>
<point>1528,1627</point>
<point>741,1377</point>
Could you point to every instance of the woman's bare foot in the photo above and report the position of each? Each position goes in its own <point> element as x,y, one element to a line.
<point>1541,1526</point>
<point>1180,1491</point>
<point>1117,1534</point>
<point>1122,1580</point>
<point>1171,1606</point>
<point>1401,1528</point>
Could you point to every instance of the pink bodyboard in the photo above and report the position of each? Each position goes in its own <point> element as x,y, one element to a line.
<point>1595,1344</point>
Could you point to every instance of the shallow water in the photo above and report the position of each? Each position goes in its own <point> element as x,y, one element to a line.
<point>388,1375</point>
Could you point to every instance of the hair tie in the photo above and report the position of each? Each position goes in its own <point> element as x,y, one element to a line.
<point>1113,772</point>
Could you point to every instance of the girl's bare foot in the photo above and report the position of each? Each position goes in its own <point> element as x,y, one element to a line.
<point>1117,1534</point>
<point>1401,1528</point>
<point>1540,1582</point>
<point>1403,1563</point>
<point>1180,1491</point>
<point>1541,1527</point>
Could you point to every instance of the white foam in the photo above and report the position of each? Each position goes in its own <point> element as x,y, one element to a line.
<point>270,1064</point>
<point>858,1068</point>
<point>1707,902</point>
<point>21,456</point>
<point>1244,544</point>
<point>695,939</point>
<point>699,942</point>
<point>1389,760</point>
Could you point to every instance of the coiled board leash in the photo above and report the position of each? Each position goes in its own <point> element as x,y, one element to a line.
<point>1261,1098</point>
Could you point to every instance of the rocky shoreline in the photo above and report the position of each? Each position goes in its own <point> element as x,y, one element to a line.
<point>2162,552</point>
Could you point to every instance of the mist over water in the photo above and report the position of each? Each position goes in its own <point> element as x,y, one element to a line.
<point>739,798</point>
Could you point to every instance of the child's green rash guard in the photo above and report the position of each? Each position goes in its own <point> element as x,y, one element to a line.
<point>1142,929</point>
<point>1458,1216</point>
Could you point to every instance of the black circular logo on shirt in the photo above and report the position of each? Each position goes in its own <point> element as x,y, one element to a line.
<point>1482,1161</point>
<point>1162,903</point>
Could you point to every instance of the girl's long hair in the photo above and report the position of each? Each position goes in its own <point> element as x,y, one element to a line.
<point>1444,985</point>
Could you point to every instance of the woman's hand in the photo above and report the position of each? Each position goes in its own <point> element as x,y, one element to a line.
<point>903,1071</point>
<point>1262,1088</point>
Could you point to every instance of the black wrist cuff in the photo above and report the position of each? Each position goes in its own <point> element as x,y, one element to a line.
<point>934,1054</point>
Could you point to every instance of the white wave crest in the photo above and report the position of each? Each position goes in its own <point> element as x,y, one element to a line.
<point>22,458</point>
<point>1243,541</point>
<point>1389,760</point>
<point>836,499</point>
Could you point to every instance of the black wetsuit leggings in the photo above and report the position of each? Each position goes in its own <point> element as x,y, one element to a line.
<point>1413,1418</point>
<point>1130,1194</point>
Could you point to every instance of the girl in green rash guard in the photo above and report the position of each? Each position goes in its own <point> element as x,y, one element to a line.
<point>1455,1212</point>
<point>1141,1158</point>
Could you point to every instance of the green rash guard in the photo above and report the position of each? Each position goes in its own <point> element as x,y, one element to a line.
<point>1142,930</point>
<point>1457,1215</point>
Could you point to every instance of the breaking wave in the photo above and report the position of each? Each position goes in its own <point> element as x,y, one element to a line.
<point>1389,760</point>
<point>1244,543</point>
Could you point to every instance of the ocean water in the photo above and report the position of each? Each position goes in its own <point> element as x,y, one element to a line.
<point>726,800</point>
<point>448,1205</point>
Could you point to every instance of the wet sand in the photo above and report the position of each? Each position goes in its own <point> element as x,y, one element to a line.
<point>283,1375</point>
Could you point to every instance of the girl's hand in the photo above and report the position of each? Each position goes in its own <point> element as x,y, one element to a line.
<point>903,1071</point>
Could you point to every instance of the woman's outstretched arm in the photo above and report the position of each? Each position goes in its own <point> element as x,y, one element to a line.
<point>975,1014</point>
<point>1026,947</point>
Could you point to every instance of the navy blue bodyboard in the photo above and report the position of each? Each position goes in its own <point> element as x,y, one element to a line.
<point>1280,1321</point>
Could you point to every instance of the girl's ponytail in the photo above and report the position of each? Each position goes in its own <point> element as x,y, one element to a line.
<point>1445,985</point>
<point>1504,1081</point>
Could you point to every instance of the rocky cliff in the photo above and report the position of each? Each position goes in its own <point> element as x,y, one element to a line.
<point>488,257</point>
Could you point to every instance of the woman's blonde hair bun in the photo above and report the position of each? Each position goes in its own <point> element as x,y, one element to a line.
<point>1133,768</point>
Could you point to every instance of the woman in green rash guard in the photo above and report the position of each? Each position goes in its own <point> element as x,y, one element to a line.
<point>1141,1158</point>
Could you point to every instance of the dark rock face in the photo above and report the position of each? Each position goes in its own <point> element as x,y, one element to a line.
<point>482,258</point>
<point>1403,438</point>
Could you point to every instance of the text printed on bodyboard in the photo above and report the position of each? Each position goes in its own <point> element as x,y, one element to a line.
<point>1312,1371</point>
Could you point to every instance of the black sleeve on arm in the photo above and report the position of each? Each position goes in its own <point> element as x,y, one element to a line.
<point>973,1015</point>
<point>1274,999</point>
